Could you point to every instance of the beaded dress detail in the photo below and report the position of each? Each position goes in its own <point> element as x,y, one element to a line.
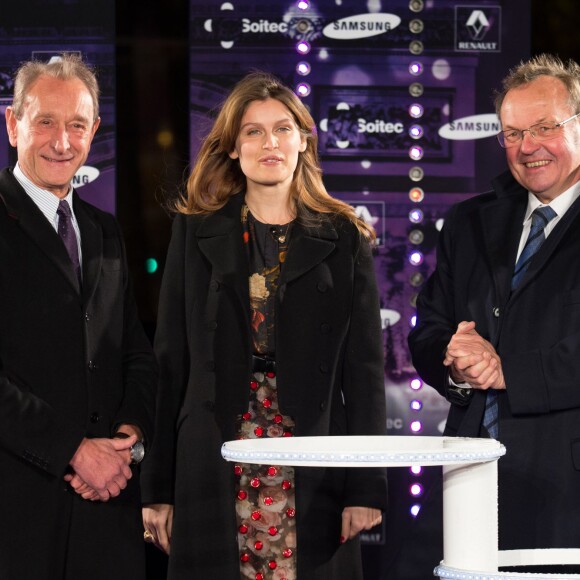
<point>265,500</point>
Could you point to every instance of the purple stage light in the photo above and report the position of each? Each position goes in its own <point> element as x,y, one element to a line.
<point>416,153</point>
<point>416,383</point>
<point>303,89</point>
<point>416,216</point>
<point>416,489</point>
<point>303,68</point>
<point>416,110</point>
<point>416,131</point>
<point>416,405</point>
<point>415,68</point>
<point>303,47</point>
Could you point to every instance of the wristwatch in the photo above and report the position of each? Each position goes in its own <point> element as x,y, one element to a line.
<point>137,450</point>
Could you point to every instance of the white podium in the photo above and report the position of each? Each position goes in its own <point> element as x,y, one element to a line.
<point>470,516</point>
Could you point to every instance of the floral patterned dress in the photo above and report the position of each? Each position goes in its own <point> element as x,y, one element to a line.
<point>265,505</point>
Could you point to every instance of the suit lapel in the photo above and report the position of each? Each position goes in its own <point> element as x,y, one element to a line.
<point>308,247</point>
<point>35,225</point>
<point>502,221</point>
<point>549,246</point>
<point>220,241</point>
<point>92,246</point>
<point>502,229</point>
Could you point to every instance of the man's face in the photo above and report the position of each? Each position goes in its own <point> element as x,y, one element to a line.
<point>546,168</point>
<point>54,135</point>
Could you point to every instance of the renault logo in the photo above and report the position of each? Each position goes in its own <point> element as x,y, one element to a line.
<point>478,24</point>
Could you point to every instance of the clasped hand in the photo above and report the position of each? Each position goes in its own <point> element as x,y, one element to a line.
<point>101,468</point>
<point>472,359</point>
<point>356,519</point>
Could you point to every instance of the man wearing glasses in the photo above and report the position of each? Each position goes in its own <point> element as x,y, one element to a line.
<point>498,331</point>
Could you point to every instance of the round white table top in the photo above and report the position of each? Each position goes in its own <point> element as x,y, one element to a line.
<point>363,451</point>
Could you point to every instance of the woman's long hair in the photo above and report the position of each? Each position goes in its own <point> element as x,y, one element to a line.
<point>216,177</point>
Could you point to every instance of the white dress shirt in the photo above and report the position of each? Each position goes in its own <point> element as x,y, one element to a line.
<point>47,203</point>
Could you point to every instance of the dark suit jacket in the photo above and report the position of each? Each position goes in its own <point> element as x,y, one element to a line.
<point>329,346</point>
<point>72,365</point>
<point>536,332</point>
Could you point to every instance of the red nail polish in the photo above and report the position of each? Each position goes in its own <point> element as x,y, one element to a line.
<point>342,539</point>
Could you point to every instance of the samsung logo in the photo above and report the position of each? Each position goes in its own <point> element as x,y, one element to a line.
<point>474,127</point>
<point>85,175</point>
<point>361,26</point>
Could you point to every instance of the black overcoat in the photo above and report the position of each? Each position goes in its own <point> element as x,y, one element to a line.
<point>73,364</point>
<point>329,375</point>
<point>536,332</point>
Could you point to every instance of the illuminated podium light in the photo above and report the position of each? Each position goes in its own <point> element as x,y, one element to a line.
<point>470,528</point>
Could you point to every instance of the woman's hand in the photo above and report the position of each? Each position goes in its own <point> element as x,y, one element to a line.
<point>355,519</point>
<point>158,521</point>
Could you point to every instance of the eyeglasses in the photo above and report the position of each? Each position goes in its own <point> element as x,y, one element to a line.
<point>539,132</point>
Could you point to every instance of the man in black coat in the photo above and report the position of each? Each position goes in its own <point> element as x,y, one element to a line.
<point>77,374</point>
<point>498,331</point>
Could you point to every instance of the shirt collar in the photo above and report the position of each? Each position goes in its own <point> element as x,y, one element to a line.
<point>46,201</point>
<point>560,204</point>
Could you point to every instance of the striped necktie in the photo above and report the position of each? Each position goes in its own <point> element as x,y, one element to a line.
<point>541,217</point>
<point>67,233</point>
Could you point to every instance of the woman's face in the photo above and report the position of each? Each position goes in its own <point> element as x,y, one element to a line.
<point>268,145</point>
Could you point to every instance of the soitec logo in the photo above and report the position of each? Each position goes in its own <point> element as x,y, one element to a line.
<point>85,175</point>
<point>473,127</point>
<point>363,126</point>
<point>361,26</point>
<point>478,29</point>
<point>294,24</point>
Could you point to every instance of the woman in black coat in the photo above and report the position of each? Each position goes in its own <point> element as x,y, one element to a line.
<point>268,326</point>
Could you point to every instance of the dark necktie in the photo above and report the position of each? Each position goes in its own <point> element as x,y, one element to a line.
<point>541,217</point>
<point>67,233</point>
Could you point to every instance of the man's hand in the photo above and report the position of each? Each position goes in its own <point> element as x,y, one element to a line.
<point>472,359</point>
<point>101,467</point>
<point>356,519</point>
<point>84,490</point>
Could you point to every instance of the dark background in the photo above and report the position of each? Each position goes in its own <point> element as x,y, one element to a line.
<point>153,130</point>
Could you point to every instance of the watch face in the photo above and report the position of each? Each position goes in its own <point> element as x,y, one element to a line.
<point>137,452</point>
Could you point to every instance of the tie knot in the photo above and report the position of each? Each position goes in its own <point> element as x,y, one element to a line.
<point>64,209</point>
<point>542,216</point>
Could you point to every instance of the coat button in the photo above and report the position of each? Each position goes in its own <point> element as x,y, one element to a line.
<point>209,365</point>
<point>95,417</point>
<point>92,366</point>
<point>209,405</point>
<point>496,311</point>
<point>214,285</point>
<point>212,325</point>
<point>322,286</point>
<point>323,367</point>
<point>325,328</point>
<point>87,317</point>
<point>322,406</point>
